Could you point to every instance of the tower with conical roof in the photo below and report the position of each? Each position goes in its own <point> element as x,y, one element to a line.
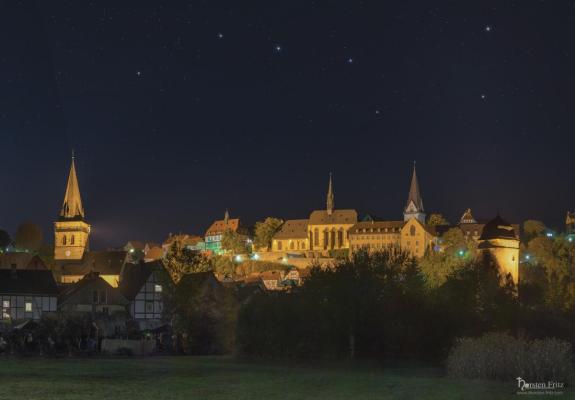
<point>330,204</point>
<point>71,231</point>
<point>414,205</point>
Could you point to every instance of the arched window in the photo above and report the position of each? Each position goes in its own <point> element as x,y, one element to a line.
<point>72,239</point>
<point>340,238</point>
<point>64,240</point>
<point>412,230</point>
<point>279,244</point>
<point>316,237</point>
<point>291,245</point>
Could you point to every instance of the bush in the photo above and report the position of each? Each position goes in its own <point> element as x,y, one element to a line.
<point>500,356</point>
<point>124,351</point>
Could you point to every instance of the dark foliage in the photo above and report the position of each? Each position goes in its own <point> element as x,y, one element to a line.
<point>378,306</point>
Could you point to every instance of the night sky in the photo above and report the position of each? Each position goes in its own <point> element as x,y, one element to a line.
<point>179,110</point>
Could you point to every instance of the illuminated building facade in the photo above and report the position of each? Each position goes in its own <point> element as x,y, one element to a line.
<point>71,232</point>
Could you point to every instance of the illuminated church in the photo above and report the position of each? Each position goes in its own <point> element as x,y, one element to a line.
<point>71,232</point>
<point>72,256</point>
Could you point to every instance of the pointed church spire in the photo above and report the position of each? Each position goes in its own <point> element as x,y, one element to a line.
<point>330,199</point>
<point>414,206</point>
<point>414,194</point>
<point>72,206</point>
<point>226,217</point>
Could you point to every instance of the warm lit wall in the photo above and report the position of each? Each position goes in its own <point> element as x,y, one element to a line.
<point>70,239</point>
<point>328,229</point>
<point>301,244</point>
<point>506,254</point>
<point>374,241</point>
<point>111,279</point>
<point>415,238</point>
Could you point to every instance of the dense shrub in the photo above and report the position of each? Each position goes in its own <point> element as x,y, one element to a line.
<point>501,356</point>
<point>124,351</point>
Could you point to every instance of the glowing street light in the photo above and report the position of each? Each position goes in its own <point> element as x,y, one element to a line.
<point>238,258</point>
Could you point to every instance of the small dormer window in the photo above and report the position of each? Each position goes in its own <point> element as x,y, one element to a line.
<point>158,288</point>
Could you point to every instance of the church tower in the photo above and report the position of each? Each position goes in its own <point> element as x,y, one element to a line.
<point>70,230</point>
<point>414,206</point>
<point>330,200</point>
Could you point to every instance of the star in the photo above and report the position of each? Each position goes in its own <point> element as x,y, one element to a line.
<point>488,28</point>
<point>350,60</point>
<point>220,35</point>
<point>483,97</point>
<point>277,48</point>
<point>138,73</point>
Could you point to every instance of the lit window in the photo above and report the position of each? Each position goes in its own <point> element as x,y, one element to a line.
<point>6,304</point>
<point>28,307</point>
<point>158,288</point>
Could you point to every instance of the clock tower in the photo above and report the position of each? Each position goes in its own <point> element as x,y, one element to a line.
<point>71,230</point>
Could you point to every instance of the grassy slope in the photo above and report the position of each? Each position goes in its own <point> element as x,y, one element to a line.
<point>223,378</point>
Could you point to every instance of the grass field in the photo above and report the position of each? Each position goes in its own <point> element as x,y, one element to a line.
<point>225,378</point>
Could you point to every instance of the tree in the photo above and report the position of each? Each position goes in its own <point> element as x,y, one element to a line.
<point>5,239</point>
<point>555,256</point>
<point>456,251</point>
<point>28,237</point>
<point>265,231</point>
<point>532,228</point>
<point>205,315</point>
<point>436,220</point>
<point>181,260</point>
<point>233,242</point>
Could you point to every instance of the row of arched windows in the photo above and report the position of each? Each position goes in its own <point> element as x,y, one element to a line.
<point>331,239</point>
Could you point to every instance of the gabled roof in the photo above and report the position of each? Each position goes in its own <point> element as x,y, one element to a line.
<point>270,275</point>
<point>107,262</point>
<point>199,278</point>
<point>293,229</point>
<point>220,226</point>
<point>72,205</point>
<point>91,281</point>
<point>498,228</point>
<point>183,239</point>
<point>154,253</point>
<point>135,276</point>
<point>467,217</point>
<point>377,226</point>
<point>28,282</point>
<point>21,261</point>
<point>135,244</point>
<point>321,217</point>
<point>414,193</point>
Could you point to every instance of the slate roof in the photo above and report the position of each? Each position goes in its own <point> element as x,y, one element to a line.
<point>199,278</point>
<point>498,228</point>
<point>321,217</point>
<point>107,262</point>
<point>28,282</point>
<point>293,229</point>
<point>21,260</point>
<point>89,280</point>
<point>377,226</point>
<point>414,193</point>
<point>134,277</point>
